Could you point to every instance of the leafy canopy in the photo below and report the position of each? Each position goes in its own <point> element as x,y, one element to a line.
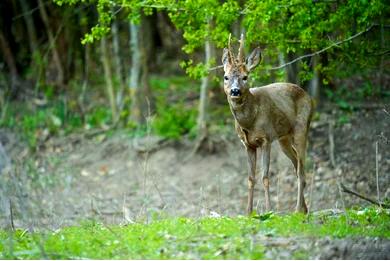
<point>280,27</point>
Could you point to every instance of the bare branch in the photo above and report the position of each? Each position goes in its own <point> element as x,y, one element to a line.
<point>346,190</point>
<point>322,50</point>
<point>215,68</point>
<point>11,214</point>
<point>385,111</point>
<point>311,54</point>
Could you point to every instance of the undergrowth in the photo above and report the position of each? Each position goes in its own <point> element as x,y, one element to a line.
<point>174,116</point>
<point>185,238</point>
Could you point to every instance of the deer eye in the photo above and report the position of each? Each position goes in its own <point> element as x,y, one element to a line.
<point>226,78</point>
<point>245,78</point>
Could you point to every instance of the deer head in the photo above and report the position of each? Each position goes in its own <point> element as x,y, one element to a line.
<point>237,70</point>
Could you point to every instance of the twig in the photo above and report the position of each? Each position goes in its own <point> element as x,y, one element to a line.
<point>331,144</point>
<point>346,190</point>
<point>311,191</point>
<point>377,170</point>
<point>11,214</point>
<point>30,12</point>
<point>215,68</point>
<point>324,49</point>
<point>385,111</point>
<point>340,187</point>
<point>311,54</point>
<point>277,193</point>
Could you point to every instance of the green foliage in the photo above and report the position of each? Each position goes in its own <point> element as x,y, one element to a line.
<point>286,28</point>
<point>98,117</point>
<point>184,238</point>
<point>174,121</point>
<point>174,117</point>
<point>38,123</point>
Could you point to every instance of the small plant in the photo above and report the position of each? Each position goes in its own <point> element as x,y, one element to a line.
<point>174,121</point>
<point>174,118</point>
<point>98,117</point>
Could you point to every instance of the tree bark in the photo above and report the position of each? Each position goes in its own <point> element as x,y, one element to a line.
<point>28,19</point>
<point>108,77</point>
<point>142,103</point>
<point>315,82</point>
<point>118,61</point>
<point>84,86</point>
<point>292,70</point>
<point>52,44</point>
<point>203,99</point>
<point>382,62</point>
<point>10,61</point>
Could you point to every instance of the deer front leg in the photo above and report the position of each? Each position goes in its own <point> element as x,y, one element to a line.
<point>251,176</point>
<point>265,158</point>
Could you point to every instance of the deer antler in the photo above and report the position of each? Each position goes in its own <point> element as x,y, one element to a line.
<point>240,56</point>
<point>231,56</point>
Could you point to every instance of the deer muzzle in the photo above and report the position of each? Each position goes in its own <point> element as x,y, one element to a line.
<point>235,92</point>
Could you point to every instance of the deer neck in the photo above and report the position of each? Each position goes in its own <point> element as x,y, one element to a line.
<point>244,110</point>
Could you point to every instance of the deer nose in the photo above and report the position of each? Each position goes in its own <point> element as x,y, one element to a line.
<point>235,92</point>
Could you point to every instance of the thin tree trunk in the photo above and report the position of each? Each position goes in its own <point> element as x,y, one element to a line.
<point>85,79</point>
<point>203,99</point>
<point>118,62</point>
<point>32,34</point>
<point>142,103</point>
<point>10,61</point>
<point>292,70</point>
<point>315,82</point>
<point>382,62</point>
<point>108,77</point>
<point>135,112</point>
<point>56,56</point>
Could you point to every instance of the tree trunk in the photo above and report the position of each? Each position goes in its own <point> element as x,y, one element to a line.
<point>292,70</point>
<point>203,99</point>
<point>84,86</point>
<point>382,84</point>
<point>142,103</point>
<point>108,77</point>
<point>52,44</point>
<point>118,62</point>
<point>10,61</point>
<point>28,19</point>
<point>315,82</point>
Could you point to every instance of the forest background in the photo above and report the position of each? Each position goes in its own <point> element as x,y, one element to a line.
<point>113,112</point>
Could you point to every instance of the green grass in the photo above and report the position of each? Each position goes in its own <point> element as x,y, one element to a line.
<point>184,238</point>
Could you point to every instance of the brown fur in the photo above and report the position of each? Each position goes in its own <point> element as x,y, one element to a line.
<point>279,111</point>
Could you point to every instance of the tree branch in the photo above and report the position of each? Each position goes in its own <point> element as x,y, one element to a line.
<point>322,50</point>
<point>346,190</point>
<point>311,54</point>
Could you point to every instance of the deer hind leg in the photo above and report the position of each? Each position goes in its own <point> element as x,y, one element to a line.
<point>300,138</point>
<point>251,176</point>
<point>288,149</point>
<point>265,158</point>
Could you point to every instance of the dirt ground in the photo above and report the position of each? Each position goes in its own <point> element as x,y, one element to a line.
<point>118,179</point>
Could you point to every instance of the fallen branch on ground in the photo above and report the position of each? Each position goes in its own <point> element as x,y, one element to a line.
<point>346,190</point>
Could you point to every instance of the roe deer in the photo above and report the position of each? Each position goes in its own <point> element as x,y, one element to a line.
<point>279,111</point>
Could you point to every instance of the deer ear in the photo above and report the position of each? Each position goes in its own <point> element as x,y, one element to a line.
<point>225,58</point>
<point>253,59</point>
